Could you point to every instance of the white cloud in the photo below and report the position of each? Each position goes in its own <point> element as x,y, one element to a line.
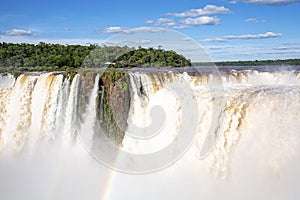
<point>64,41</point>
<point>180,26</point>
<point>271,2</point>
<point>203,20</point>
<point>249,52</point>
<point>165,22</point>
<point>216,47</point>
<point>243,37</point>
<point>128,43</point>
<point>207,10</point>
<point>214,40</point>
<point>77,41</point>
<point>252,20</point>
<point>232,2</point>
<point>18,32</point>
<point>186,39</point>
<point>258,36</point>
<point>194,17</point>
<point>149,21</point>
<point>123,30</point>
<point>168,23</point>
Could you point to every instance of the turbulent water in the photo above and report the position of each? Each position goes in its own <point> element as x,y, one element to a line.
<point>243,126</point>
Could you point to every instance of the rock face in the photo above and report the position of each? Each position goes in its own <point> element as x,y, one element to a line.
<point>119,100</point>
<point>87,82</point>
<point>114,104</point>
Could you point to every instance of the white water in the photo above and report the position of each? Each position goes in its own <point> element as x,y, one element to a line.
<point>256,157</point>
<point>89,123</point>
<point>71,108</point>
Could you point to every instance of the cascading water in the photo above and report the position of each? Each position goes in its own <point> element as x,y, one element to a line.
<point>256,155</point>
<point>90,117</point>
<point>69,129</point>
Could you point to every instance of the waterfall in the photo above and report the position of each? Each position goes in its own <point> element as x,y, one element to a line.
<point>19,113</point>
<point>88,126</point>
<point>238,141</point>
<point>69,129</point>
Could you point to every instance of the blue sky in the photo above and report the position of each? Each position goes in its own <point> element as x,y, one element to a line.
<point>225,29</point>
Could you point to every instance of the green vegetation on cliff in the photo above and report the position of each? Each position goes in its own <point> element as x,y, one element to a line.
<point>115,105</point>
<point>112,103</point>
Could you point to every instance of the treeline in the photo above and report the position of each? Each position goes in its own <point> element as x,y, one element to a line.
<point>59,57</point>
<point>292,62</point>
<point>152,58</point>
<point>43,55</point>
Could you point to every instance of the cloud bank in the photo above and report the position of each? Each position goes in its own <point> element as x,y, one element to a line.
<point>271,2</point>
<point>207,10</point>
<point>123,30</point>
<point>243,37</point>
<point>17,32</point>
<point>203,20</point>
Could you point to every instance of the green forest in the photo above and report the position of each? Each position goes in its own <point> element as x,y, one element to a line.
<point>60,57</point>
